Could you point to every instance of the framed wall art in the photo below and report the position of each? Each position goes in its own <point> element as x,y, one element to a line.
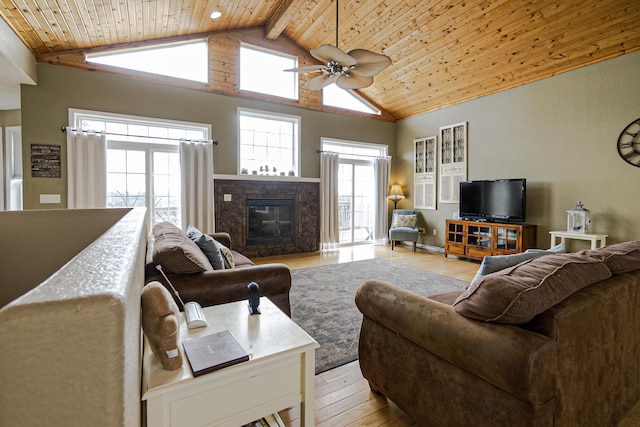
<point>453,161</point>
<point>425,173</point>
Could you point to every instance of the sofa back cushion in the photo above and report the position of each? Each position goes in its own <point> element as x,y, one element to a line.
<point>516,294</point>
<point>175,252</point>
<point>620,258</point>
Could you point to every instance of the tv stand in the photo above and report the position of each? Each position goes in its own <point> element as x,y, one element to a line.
<point>477,239</point>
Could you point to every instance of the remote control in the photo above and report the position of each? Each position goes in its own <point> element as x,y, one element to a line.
<point>194,316</point>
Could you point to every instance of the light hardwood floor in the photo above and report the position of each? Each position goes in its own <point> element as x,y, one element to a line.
<point>343,397</point>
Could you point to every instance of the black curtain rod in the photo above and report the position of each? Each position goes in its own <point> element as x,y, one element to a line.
<point>64,129</point>
<point>349,154</point>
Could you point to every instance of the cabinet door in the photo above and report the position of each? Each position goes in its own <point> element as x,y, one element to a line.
<point>479,240</point>
<point>507,239</point>
<point>454,240</point>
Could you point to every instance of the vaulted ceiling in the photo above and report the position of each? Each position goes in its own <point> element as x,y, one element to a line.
<point>444,51</point>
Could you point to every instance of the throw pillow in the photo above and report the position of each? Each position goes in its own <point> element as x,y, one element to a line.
<point>228,257</point>
<point>208,245</point>
<point>560,249</point>
<point>400,220</point>
<point>491,264</point>
<point>175,252</point>
<point>620,258</point>
<point>161,325</point>
<point>517,294</point>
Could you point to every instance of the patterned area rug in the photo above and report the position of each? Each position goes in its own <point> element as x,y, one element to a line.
<point>322,302</point>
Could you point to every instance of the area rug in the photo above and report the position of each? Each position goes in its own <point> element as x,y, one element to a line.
<point>322,302</point>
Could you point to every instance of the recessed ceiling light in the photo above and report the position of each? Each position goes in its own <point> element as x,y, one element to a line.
<point>215,14</point>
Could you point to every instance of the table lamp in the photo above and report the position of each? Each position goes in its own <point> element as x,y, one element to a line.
<point>395,194</point>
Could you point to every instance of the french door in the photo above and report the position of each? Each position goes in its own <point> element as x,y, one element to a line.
<point>356,201</point>
<point>357,188</point>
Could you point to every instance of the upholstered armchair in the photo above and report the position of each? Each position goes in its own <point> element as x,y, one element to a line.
<point>404,227</point>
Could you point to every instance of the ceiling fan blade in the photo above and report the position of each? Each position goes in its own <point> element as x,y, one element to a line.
<point>354,81</point>
<point>327,53</point>
<point>369,63</point>
<point>308,69</point>
<point>319,82</point>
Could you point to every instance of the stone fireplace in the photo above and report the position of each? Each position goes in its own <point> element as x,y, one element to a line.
<point>268,217</point>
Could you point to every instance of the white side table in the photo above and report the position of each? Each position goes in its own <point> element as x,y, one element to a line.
<point>279,375</point>
<point>597,240</point>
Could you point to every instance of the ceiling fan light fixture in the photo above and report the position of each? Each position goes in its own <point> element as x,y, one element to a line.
<point>353,70</point>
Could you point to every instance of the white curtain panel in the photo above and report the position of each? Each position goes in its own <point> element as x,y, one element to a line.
<point>86,170</point>
<point>381,170</point>
<point>329,217</point>
<point>196,166</point>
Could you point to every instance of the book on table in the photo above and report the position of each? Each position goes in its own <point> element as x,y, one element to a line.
<point>213,352</point>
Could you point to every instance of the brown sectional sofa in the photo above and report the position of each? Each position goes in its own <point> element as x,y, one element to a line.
<point>574,363</point>
<point>192,275</point>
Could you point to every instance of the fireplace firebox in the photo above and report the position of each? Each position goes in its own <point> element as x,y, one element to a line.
<point>270,220</point>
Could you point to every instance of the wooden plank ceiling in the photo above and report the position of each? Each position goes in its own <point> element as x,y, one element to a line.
<point>444,51</point>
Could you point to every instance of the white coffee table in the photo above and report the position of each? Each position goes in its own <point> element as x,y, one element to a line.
<point>279,375</point>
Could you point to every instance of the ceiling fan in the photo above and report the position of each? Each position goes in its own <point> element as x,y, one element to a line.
<point>353,70</point>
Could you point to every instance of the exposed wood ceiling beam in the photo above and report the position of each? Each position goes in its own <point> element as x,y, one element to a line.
<point>281,18</point>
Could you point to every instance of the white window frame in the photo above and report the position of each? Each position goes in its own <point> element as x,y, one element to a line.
<point>381,148</point>
<point>138,144</point>
<point>296,120</point>
<point>13,168</point>
<point>269,68</point>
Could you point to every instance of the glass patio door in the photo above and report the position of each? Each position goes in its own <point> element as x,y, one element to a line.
<point>356,201</point>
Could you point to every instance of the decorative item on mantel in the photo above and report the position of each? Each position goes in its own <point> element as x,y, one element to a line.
<point>578,219</point>
<point>396,194</point>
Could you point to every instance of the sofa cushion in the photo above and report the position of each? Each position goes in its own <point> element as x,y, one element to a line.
<point>240,260</point>
<point>175,252</point>
<point>621,257</point>
<point>208,245</point>
<point>516,294</point>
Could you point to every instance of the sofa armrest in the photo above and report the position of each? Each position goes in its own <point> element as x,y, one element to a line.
<point>223,238</point>
<point>514,359</point>
<point>222,286</point>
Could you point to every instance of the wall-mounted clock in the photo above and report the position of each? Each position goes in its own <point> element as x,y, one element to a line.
<point>629,143</point>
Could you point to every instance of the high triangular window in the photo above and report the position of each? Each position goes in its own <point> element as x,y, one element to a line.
<point>334,96</point>
<point>182,60</point>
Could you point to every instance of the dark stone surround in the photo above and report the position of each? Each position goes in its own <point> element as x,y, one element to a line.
<point>231,217</point>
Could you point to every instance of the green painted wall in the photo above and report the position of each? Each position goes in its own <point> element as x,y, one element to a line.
<point>45,109</point>
<point>560,134</point>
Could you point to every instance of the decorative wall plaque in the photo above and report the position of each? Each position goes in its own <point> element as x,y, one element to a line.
<point>45,161</point>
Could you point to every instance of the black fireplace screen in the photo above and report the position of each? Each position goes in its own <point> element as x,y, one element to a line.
<point>270,221</point>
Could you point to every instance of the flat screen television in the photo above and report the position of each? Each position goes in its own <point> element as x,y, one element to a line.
<point>494,200</point>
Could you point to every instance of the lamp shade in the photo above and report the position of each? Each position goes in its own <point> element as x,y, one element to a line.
<point>396,193</point>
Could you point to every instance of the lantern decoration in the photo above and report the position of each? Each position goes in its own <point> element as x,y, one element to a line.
<point>578,219</point>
